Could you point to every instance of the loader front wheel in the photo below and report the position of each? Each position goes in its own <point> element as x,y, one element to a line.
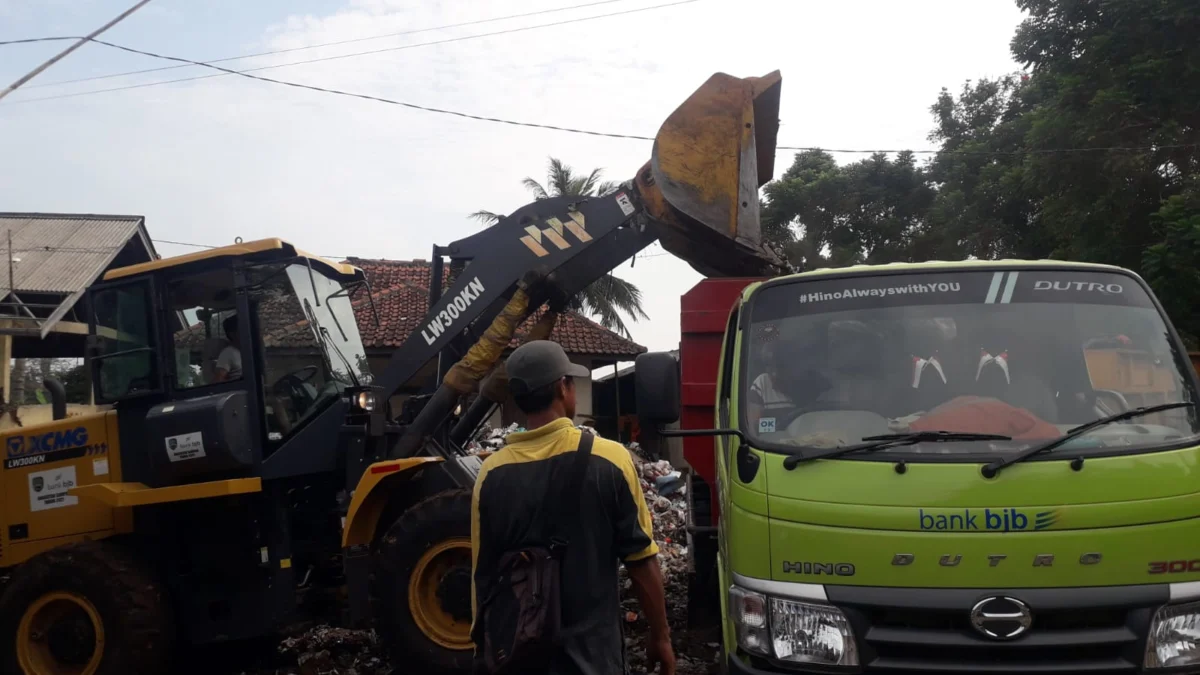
<point>83,609</point>
<point>421,585</point>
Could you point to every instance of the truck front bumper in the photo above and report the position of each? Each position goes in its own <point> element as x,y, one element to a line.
<point>1071,631</point>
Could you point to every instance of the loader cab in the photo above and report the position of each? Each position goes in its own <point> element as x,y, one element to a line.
<point>237,348</point>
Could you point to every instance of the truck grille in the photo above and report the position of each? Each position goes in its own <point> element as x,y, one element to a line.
<point>1073,631</point>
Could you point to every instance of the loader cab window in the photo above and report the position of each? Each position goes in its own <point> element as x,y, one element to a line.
<point>312,349</point>
<point>123,354</point>
<point>207,348</point>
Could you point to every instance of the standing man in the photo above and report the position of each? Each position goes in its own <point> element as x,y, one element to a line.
<point>510,510</point>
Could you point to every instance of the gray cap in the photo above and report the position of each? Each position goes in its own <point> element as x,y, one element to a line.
<point>538,363</point>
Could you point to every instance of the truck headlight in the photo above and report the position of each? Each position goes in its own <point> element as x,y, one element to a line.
<point>817,634</point>
<point>749,612</point>
<point>796,632</point>
<point>1174,637</point>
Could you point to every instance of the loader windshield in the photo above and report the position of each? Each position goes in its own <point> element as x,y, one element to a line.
<point>302,320</point>
<point>1027,353</point>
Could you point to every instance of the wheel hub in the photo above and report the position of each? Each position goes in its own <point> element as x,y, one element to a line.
<point>72,639</point>
<point>437,601</point>
<point>454,593</point>
<point>60,634</point>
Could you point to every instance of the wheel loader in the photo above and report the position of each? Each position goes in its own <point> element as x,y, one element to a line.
<point>245,470</point>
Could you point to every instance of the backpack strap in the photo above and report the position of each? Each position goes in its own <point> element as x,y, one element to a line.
<point>570,496</point>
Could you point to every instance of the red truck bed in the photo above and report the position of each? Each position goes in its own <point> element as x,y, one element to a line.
<point>704,316</point>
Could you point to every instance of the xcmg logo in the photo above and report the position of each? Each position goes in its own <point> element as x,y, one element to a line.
<point>62,439</point>
<point>986,520</point>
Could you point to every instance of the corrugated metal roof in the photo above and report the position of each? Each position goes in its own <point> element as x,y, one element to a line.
<point>61,253</point>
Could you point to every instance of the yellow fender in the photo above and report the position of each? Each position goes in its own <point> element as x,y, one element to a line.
<point>371,496</point>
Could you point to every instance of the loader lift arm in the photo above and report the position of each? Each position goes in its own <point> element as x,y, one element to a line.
<point>698,194</point>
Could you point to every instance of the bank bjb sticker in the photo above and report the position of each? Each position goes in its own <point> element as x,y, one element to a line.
<point>766,425</point>
<point>48,489</point>
<point>185,446</point>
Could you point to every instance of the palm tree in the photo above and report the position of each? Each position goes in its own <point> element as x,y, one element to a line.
<point>606,298</point>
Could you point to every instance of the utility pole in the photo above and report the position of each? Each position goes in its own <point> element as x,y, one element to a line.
<point>37,71</point>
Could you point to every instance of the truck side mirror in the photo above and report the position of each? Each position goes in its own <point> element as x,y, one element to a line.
<point>656,388</point>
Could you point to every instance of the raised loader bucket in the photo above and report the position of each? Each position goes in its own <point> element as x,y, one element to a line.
<point>709,159</point>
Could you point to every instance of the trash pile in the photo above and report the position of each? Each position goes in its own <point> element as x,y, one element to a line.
<point>491,439</point>
<point>321,650</point>
<point>324,650</point>
<point>665,491</point>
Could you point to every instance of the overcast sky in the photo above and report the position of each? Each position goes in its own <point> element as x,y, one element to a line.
<point>210,160</point>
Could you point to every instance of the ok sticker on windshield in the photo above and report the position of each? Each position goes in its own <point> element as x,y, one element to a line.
<point>766,425</point>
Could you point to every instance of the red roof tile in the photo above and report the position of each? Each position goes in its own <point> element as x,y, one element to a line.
<point>401,290</point>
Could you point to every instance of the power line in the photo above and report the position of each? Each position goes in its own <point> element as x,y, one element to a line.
<point>534,125</point>
<point>786,148</point>
<point>244,73</point>
<point>61,55</point>
<point>306,47</point>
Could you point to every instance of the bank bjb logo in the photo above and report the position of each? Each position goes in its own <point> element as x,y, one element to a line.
<point>38,484</point>
<point>986,520</point>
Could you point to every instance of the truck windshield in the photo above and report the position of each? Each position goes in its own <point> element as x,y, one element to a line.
<point>1025,353</point>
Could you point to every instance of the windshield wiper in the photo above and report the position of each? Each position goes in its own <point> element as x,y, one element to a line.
<point>325,341</point>
<point>990,470</point>
<point>872,443</point>
<point>328,340</point>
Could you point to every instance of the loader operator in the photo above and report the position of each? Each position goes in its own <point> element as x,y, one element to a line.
<point>229,361</point>
<point>514,506</point>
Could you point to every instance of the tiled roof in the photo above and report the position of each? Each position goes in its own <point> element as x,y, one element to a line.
<point>401,290</point>
<point>401,295</point>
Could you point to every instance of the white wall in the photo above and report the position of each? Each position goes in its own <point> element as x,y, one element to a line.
<point>583,389</point>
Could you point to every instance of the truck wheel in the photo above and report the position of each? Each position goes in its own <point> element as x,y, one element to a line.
<point>84,609</point>
<point>421,585</point>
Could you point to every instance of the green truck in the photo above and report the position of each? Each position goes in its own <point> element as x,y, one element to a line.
<point>939,467</point>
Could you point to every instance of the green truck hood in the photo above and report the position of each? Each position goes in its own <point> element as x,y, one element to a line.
<point>1118,520</point>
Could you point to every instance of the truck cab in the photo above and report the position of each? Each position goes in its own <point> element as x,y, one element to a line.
<point>884,490</point>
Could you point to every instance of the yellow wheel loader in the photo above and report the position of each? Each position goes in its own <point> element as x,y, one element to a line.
<point>244,469</point>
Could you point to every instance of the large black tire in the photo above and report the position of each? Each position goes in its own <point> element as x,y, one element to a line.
<point>431,542</point>
<point>118,592</point>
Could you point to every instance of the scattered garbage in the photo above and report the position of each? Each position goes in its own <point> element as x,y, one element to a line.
<point>669,484</point>
<point>491,439</point>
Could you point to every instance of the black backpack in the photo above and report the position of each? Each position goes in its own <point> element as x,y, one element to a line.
<point>521,618</point>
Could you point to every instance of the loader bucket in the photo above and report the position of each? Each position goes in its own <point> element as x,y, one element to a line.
<point>709,159</point>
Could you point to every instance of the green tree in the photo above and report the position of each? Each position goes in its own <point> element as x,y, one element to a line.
<point>1172,265</point>
<point>871,211</point>
<point>1090,153</point>
<point>1108,75</point>
<point>608,297</point>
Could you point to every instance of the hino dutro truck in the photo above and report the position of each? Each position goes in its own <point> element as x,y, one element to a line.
<point>939,467</point>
